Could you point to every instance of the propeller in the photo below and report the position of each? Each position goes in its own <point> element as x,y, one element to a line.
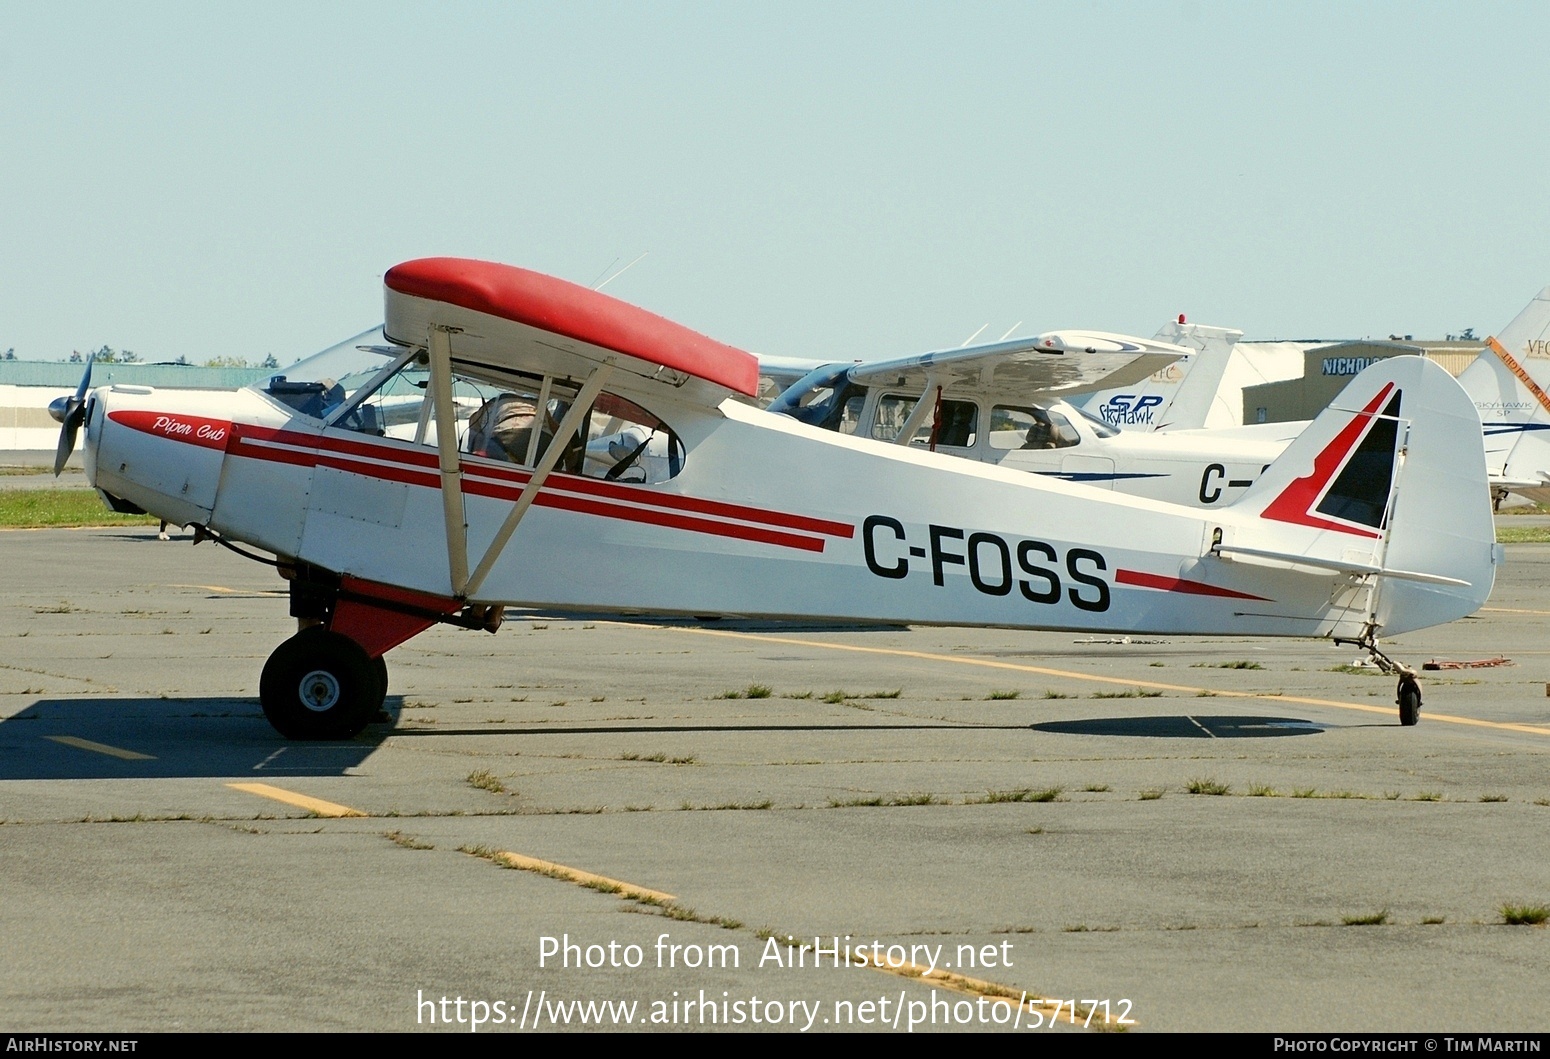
<point>71,412</point>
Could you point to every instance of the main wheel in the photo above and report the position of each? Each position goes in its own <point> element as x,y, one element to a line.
<point>1409,700</point>
<point>379,666</point>
<point>320,685</point>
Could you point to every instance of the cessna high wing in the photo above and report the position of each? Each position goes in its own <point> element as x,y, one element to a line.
<point>515,439</point>
<point>1002,404</point>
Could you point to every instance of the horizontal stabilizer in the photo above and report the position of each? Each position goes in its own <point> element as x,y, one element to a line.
<point>1342,565</point>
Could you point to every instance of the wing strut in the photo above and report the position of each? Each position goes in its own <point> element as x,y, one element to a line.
<point>446,448</point>
<point>568,427</point>
<point>918,413</point>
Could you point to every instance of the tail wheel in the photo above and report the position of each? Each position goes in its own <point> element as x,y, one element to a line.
<point>1409,700</point>
<point>320,685</point>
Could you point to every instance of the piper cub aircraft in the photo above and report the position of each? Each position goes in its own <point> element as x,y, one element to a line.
<point>1003,404</point>
<point>515,439</point>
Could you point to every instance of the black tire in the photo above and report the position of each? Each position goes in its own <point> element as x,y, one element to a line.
<point>319,685</point>
<point>379,665</point>
<point>1409,701</point>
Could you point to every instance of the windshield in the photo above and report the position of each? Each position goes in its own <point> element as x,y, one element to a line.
<point>823,398</point>
<point>323,381</point>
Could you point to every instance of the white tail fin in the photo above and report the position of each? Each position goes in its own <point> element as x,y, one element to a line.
<point>1180,396</point>
<point>1510,385</point>
<point>1389,485</point>
<point>1196,395</point>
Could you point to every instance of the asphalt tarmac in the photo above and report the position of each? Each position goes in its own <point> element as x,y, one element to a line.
<point>1012,808</point>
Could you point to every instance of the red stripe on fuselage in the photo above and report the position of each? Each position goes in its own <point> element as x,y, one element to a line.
<point>1177,584</point>
<point>485,478</point>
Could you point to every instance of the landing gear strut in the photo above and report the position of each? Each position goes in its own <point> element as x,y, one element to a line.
<point>1408,695</point>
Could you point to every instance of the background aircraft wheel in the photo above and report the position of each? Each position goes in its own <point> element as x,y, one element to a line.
<point>319,685</point>
<point>1409,700</point>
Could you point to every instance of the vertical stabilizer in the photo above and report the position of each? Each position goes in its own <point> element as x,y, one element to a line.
<point>1389,485</point>
<point>1509,384</point>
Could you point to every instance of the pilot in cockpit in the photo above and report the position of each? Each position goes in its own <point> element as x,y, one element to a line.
<point>1040,435</point>
<point>502,428</point>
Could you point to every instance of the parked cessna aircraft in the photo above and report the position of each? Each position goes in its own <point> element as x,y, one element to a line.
<point>944,401</point>
<point>520,440</point>
<point>1508,384</point>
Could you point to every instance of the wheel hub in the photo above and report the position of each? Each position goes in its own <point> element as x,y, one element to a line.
<point>319,691</point>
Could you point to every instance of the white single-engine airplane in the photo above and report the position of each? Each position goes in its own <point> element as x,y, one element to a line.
<point>1004,404</point>
<point>519,440</point>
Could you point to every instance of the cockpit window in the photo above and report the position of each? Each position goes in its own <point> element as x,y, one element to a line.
<point>1030,427</point>
<point>956,428</point>
<point>823,398</point>
<point>619,441</point>
<point>1100,427</point>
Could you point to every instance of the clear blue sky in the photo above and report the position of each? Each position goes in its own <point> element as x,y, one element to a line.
<point>809,179</point>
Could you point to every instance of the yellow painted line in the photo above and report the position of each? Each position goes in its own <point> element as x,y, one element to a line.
<point>301,801</point>
<point>989,663</point>
<point>995,992</point>
<point>101,748</point>
<point>235,591</point>
<point>576,875</point>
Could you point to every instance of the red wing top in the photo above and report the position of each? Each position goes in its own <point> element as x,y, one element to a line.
<point>516,319</point>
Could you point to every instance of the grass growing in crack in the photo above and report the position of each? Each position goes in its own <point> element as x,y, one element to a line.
<point>1151,794</point>
<point>1240,664</point>
<point>1432,921</point>
<point>1427,796</point>
<point>840,696</point>
<point>1493,797</point>
<point>407,841</point>
<point>1133,693</point>
<point>1206,786</point>
<point>752,691</point>
<point>486,780</point>
<point>660,758</point>
<point>1058,695</point>
<point>1374,919</point>
<point>1369,671</point>
<point>1022,794</point>
<point>689,915</point>
<point>690,807</point>
<point>1097,788</point>
<point>1305,792</point>
<point>880,801</point>
<point>1262,790</point>
<point>998,695</point>
<point>1524,915</point>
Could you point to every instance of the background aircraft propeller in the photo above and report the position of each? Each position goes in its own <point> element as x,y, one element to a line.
<point>71,412</point>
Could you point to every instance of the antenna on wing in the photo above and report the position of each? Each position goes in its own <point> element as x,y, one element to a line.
<point>621,272</point>
<point>1009,331</point>
<point>975,335</point>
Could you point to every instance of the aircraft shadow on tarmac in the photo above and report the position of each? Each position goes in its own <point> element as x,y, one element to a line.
<point>138,738</point>
<point>1187,726</point>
